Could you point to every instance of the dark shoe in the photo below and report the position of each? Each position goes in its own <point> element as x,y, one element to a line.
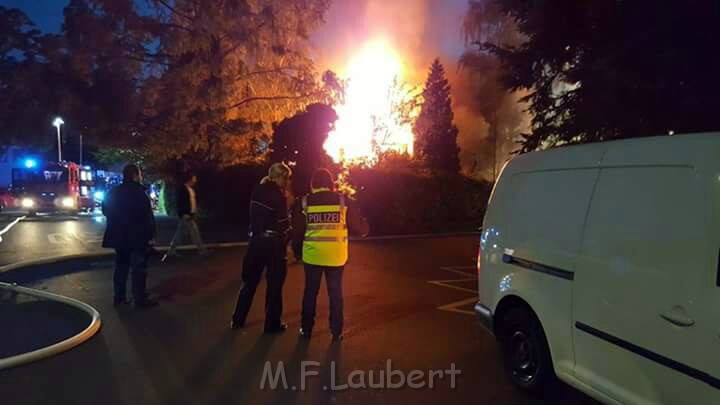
<point>278,329</point>
<point>145,304</point>
<point>337,338</point>
<point>235,325</point>
<point>305,334</point>
<point>119,301</point>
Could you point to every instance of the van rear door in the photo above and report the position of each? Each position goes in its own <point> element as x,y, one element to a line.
<point>648,244</point>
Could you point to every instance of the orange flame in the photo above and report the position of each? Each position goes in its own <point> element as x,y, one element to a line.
<point>369,122</point>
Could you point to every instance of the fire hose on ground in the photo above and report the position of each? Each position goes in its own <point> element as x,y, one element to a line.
<point>57,348</point>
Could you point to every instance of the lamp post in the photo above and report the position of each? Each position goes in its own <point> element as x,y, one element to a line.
<point>57,123</point>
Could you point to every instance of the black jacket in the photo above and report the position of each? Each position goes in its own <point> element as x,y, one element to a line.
<point>130,219</point>
<point>268,210</point>
<point>184,207</point>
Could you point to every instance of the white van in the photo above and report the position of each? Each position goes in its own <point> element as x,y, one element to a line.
<point>599,265</point>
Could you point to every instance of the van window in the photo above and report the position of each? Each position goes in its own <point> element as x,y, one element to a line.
<point>649,220</point>
<point>548,214</point>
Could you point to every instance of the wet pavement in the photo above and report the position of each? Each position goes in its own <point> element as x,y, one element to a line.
<point>408,308</point>
<point>45,236</point>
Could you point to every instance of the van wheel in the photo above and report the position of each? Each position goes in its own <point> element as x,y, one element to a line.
<point>526,352</point>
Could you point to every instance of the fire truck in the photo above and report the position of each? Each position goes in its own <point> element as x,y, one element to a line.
<point>102,182</point>
<point>88,190</point>
<point>49,187</point>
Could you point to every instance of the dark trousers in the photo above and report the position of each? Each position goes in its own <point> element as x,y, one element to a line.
<point>263,253</point>
<point>133,261</point>
<point>333,279</point>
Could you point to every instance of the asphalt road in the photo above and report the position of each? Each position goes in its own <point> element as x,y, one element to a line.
<point>46,236</point>
<point>31,323</point>
<point>406,301</point>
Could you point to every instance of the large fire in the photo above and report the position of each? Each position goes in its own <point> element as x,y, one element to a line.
<point>371,120</point>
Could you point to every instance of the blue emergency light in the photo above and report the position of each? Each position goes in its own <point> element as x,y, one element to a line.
<point>30,163</point>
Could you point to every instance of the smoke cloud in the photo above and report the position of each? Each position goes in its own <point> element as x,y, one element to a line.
<point>421,30</point>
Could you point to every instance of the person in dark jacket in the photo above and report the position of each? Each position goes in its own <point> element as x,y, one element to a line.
<point>269,229</point>
<point>187,209</point>
<point>130,231</point>
<point>297,221</point>
<point>328,217</point>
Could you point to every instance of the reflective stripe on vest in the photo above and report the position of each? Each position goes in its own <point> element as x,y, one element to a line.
<point>326,234</point>
<point>324,239</point>
<point>337,227</point>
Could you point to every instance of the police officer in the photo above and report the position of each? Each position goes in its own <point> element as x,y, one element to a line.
<point>269,227</point>
<point>325,249</point>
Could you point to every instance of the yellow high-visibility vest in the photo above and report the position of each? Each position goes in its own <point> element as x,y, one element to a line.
<point>326,233</point>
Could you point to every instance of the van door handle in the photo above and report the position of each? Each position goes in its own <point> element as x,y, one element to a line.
<point>678,317</point>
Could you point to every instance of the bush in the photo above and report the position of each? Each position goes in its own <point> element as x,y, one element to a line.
<point>397,200</point>
<point>402,202</point>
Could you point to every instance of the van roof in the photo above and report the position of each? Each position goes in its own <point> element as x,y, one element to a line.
<point>676,150</point>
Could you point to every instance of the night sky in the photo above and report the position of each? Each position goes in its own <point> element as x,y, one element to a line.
<point>46,14</point>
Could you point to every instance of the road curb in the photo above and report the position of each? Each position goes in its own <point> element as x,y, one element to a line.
<point>103,254</point>
<point>109,253</point>
<point>52,260</point>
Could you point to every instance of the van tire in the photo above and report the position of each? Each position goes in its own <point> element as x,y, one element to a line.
<point>525,351</point>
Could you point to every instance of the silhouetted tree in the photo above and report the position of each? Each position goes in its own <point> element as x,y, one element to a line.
<point>42,76</point>
<point>485,22</point>
<point>610,69</point>
<point>24,111</point>
<point>299,141</point>
<point>435,133</point>
<point>210,76</point>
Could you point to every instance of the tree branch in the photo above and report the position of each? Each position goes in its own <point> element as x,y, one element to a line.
<point>177,26</point>
<point>143,60</point>
<point>238,43</point>
<point>280,70</point>
<point>172,9</point>
<point>268,98</point>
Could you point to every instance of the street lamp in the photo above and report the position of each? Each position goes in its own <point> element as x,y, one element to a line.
<point>57,123</point>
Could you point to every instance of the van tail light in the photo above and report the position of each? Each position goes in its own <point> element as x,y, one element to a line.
<point>479,258</point>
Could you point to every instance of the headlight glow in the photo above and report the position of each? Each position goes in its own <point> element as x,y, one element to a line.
<point>27,203</point>
<point>68,202</point>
